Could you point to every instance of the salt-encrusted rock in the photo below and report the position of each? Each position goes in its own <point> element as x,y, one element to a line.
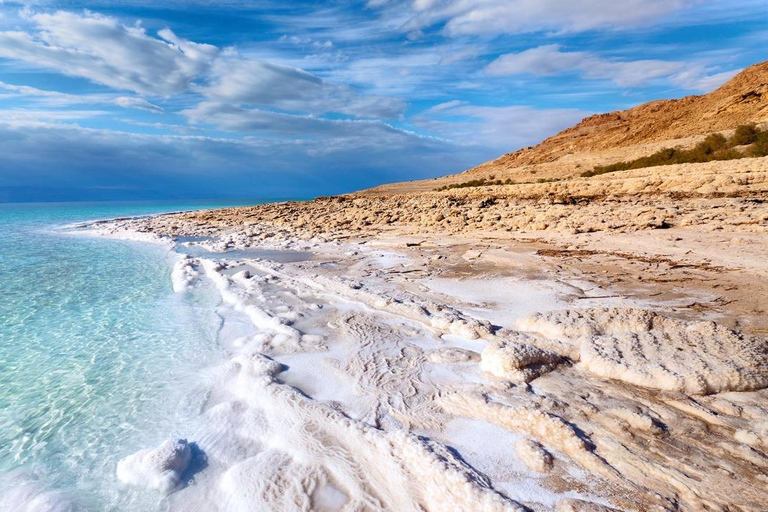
<point>575,505</point>
<point>756,435</point>
<point>156,468</point>
<point>516,361</point>
<point>533,455</point>
<point>647,349</point>
<point>450,355</point>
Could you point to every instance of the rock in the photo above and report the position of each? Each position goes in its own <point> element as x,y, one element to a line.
<point>471,255</point>
<point>156,468</point>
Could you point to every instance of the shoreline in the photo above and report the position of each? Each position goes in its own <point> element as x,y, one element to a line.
<point>419,361</point>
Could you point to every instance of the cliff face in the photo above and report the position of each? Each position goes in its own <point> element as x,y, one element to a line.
<point>741,100</point>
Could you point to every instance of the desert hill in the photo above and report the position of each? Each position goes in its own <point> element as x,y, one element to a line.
<point>607,138</point>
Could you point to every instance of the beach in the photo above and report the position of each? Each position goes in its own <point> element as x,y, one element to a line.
<point>406,366</point>
<point>384,256</point>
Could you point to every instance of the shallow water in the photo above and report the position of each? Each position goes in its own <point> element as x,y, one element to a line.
<point>96,353</point>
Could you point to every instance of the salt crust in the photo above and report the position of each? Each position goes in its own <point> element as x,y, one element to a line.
<point>517,361</point>
<point>158,468</point>
<point>647,349</point>
<point>534,455</point>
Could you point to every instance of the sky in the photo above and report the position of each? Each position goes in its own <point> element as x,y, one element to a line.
<point>203,99</point>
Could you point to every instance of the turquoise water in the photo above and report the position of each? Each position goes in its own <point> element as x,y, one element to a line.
<point>96,355</point>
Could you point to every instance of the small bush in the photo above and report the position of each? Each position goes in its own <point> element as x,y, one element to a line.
<point>714,147</point>
<point>744,135</point>
<point>760,146</point>
<point>488,183</point>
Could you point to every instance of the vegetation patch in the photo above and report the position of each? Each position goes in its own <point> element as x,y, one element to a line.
<point>747,141</point>
<point>490,182</point>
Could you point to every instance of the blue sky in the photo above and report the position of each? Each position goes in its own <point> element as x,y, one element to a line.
<point>244,99</point>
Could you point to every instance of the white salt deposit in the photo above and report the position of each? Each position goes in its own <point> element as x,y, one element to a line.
<point>755,435</point>
<point>534,455</point>
<point>184,274</point>
<point>21,492</point>
<point>453,355</point>
<point>159,469</point>
<point>517,361</point>
<point>334,368</point>
<point>647,349</point>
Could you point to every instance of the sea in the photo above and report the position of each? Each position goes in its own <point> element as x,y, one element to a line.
<point>97,354</point>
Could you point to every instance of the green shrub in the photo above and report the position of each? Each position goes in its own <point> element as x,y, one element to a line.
<point>714,147</point>
<point>744,135</point>
<point>760,146</point>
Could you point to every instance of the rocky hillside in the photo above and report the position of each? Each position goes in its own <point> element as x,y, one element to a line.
<point>606,138</point>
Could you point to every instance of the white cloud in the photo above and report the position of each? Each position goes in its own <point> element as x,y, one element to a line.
<point>60,99</point>
<point>52,98</point>
<point>27,116</point>
<point>462,17</point>
<point>551,60</point>
<point>103,50</point>
<point>248,81</point>
<point>139,103</point>
<point>502,128</point>
<point>229,117</point>
<point>699,79</point>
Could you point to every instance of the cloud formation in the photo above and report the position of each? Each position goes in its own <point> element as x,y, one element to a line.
<point>484,17</point>
<point>550,60</point>
<point>503,128</point>
<point>248,81</point>
<point>64,162</point>
<point>103,50</point>
<point>229,117</point>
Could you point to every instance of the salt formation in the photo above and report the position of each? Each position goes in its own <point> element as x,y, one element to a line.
<point>452,355</point>
<point>534,455</point>
<point>644,348</point>
<point>756,435</point>
<point>22,492</point>
<point>361,362</point>
<point>269,446</point>
<point>548,429</point>
<point>295,445</point>
<point>242,292</point>
<point>517,361</point>
<point>185,273</point>
<point>573,505</point>
<point>438,316</point>
<point>158,468</point>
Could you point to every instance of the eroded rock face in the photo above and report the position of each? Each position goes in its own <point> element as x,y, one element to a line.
<point>158,468</point>
<point>647,349</point>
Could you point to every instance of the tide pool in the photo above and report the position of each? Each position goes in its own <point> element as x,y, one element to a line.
<point>97,356</point>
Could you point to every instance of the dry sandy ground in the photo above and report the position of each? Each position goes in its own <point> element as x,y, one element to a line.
<point>603,352</point>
